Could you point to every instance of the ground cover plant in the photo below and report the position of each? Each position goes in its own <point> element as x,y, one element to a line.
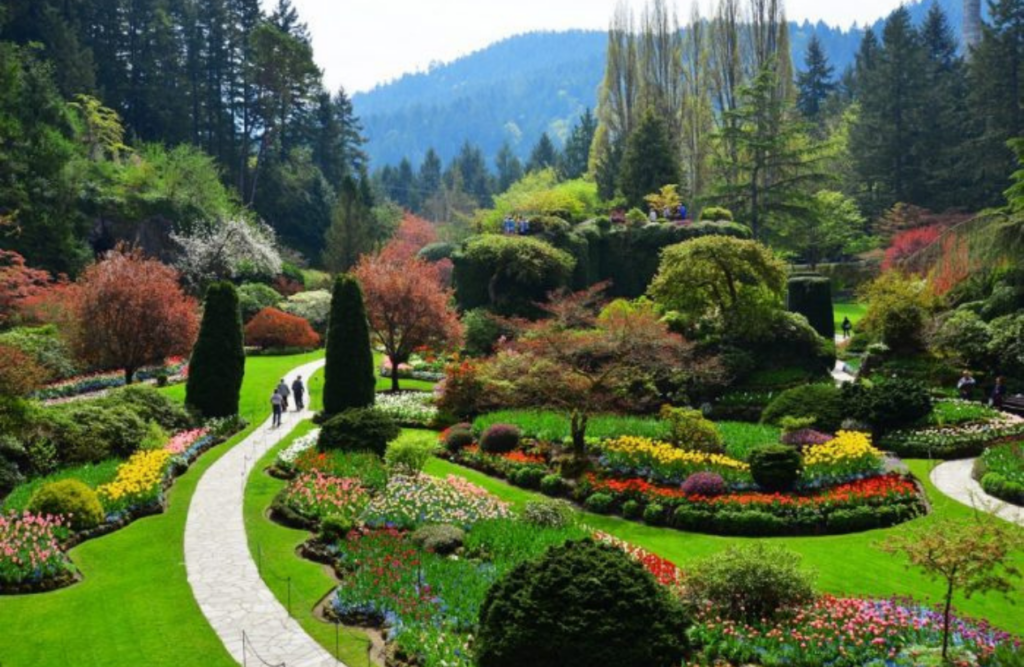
<point>1000,471</point>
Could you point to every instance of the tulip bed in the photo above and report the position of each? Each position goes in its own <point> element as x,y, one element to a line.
<point>94,382</point>
<point>30,550</point>
<point>953,441</point>
<point>845,486</point>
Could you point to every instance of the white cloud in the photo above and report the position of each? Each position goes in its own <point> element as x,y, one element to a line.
<point>360,43</point>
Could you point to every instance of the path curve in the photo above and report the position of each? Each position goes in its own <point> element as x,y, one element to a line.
<point>224,579</point>
<point>954,479</point>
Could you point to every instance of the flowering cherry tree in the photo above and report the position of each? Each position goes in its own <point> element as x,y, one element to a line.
<point>233,248</point>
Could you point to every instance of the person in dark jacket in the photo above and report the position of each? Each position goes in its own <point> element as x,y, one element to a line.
<point>299,391</point>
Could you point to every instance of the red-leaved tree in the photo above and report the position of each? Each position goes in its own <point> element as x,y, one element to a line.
<point>272,328</point>
<point>19,373</point>
<point>128,311</point>
<point>407,305</point>
<point>908,243</point>
<point>413,234</point>
<point>18,284</point>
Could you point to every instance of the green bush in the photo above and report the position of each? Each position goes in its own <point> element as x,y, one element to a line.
<point>358,430</point>
<point>46,346</point>
<point>654,514</point>
<point>787,340</point>
<point>89,432</point>
<point>254,297</point>
<point>408,457</point>
<point>821,402</point>
<point>69,498</point>
<point>751,523</point>
<point>349,381</point>
<point>997,485</point>
<point>13,462</point>
<point>482,331</point>
<point>150,405</point>
<point>528,478</point>
<point>716,213</point>
<point>218,359</point>
<point>553,485</point>
<point>811,296</point>
<point>435,252</point>
<point>775,467</point>
<point>458,437</point>
<point>442,540</point>
<point>543,613</point>
<point>689,429</point>
<point>334,528</point>
<point>548,513</point>
<point>751,582</point>
<point>500,439</point>
<point>888,404</point>
<point>632,509</point>
<point>600,503</point>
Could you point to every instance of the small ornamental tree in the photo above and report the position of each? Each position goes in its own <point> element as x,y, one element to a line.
<point>20,374</point>
<point>129,311</point>
<point>18,284</point>
<point>580,604</point>
<point>272,328</point>
<point>407,305</point>
<point>413,234</point>
<point>966,556</point>
<point>348,375</point>
<point>218,359</point>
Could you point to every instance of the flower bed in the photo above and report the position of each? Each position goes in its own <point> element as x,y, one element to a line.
<point>409,408</point>
<point>428,369</point>
<point>31,558</point>
<point>408,502</point>
<point>315,496</point>
<point>630,456</point>
<point>286,459</point>
<point>952,442</point>
<point>139,483</point>
<point>1000,471</point>
<point>844,632</point>
<point>88,384</point>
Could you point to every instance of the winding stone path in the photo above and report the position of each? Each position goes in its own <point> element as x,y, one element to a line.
<point>224,578</point>
<point>954,479</point>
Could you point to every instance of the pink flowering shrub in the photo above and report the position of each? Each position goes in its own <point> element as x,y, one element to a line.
<point>317,495</point>
<point>30,548</point>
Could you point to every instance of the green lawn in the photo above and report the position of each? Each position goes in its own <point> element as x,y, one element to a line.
<point>274,547</point>
<point>384,384</point>
<point>845,564</point>
<point>92,474</point>
<point>855,311</point>
<point>135,606</point>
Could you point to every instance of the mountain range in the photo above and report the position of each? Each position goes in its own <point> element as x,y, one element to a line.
<point>520,87</point>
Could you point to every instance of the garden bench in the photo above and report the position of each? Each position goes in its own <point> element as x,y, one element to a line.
<point>1014,404</point>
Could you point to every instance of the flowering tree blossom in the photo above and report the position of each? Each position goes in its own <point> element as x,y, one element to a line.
<point>232,249</point>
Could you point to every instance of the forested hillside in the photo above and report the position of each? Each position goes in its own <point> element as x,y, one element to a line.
<point>521,87</point>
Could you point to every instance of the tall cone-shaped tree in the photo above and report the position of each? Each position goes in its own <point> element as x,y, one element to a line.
<point>218,359</point>
<point>348,376</point>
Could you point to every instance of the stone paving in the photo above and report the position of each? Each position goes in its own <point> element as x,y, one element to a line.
<point>224,578</point>
<point>954,479</point>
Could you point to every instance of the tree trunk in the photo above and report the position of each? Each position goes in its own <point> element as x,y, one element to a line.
<point>129,373</point>
<point>394,375</point>
<point>578,427</point>
<point>945,621</point>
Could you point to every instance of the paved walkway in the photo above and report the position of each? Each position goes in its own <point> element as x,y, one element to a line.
<point>954,479</point>
<point>224,578</point>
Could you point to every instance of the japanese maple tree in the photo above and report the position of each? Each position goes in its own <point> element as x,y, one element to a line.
<point>19,284</point>
<point>413,234</point>
<point>407,305</point>
<point>128,311</point>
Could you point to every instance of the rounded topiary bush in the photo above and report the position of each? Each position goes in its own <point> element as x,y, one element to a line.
<point>600,503</point>
<point>716,213</point>
<point>888,404</point>
<point>749,583</point>
<point>548,513</point>
<point>579,605</point>
<point>70,498</point>
<point>553,485</point>
<point>775,467</point>
<point>458,437</point>
<point>500,439</point>
<point>361,429</point>
<point>704,484</point>
<point>811,296</point>
<point>822,402</point>
<point>690,429</point>
<point>442,540</point>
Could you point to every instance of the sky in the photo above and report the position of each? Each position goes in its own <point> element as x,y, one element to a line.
<point>362,43</point>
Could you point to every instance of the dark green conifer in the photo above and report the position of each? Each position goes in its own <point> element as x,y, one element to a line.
<point>218,359</point>
<point>348,376</point>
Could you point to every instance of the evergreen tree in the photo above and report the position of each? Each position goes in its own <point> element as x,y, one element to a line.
<point>816,82</point>
<point>509,168</point>
<point>407,194</point>
<point>351,233</point>
<point>349,380</point>
<point>430,175</point>
<point>544,154</point>
<point>649,161</point>
<point>475,177</point>
<point>217,366</point>
<point>576,155</point>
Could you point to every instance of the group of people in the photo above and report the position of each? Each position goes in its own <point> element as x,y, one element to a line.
<point>279,399</point>
<point>668,213</point>
<point>965,387</point>
<point>515,225</point>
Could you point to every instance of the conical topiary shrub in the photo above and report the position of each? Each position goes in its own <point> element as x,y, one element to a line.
<point>348,376</point>
<point>218,359</point>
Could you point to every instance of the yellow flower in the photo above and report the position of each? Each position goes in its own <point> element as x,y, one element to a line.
<point>137,477</point>
<point>664,454</point>
<point>845,447</point>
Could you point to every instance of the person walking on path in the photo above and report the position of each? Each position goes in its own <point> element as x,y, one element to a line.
<point>966,385</point>
<point>282,388</point>
<point>299,391</point>
<point>998,393</point>
<point>847,327</point>
<point>276,404</point>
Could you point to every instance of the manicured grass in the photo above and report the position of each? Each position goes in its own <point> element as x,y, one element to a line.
<point>135,606</point>
<point>845,564</point>
<point>274,547</point>
<point>741,437</point>
<point>92,474</point>
<point>555,427</point>
<point>855,311</point>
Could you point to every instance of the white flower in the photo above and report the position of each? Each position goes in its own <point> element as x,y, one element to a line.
<point>300,445</point>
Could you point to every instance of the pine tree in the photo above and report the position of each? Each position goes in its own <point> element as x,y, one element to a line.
<point>217,366</point>
<point>351,233</point>
<point>575,157</point>
<point>816,82</point>
<point>648,162</point>
<point>544,154</point>
<point>406,186</point>
<point>475,177</point>
<point>509,168</point>
<point>430,175</point>
<point>349,380</point>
